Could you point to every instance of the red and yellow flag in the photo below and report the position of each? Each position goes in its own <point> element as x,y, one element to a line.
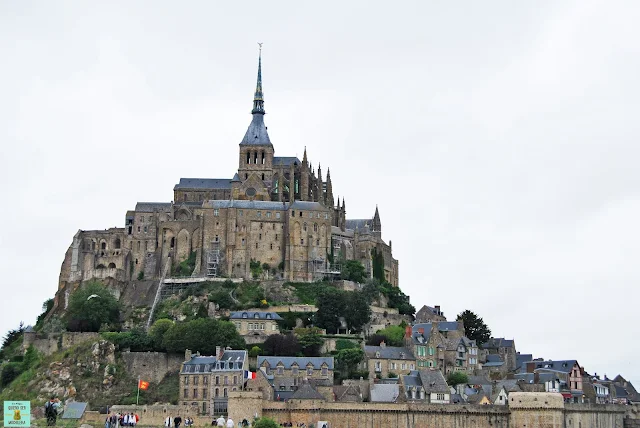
<point>143,384</point>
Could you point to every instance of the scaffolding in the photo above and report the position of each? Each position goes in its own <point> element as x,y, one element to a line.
<point>321,270</point>
<point>214,259</point>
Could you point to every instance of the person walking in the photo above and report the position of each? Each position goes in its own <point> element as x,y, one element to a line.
<point>220,421</point>
<point>177,421</point>
<point>168,422</point>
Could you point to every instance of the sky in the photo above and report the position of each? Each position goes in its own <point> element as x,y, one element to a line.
<point>497,138</point>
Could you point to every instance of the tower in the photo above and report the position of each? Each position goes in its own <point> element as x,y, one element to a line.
<point>377,226</point>
<point>255,163</point>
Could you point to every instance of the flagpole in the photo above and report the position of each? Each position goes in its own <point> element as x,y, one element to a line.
<point>138,396</point>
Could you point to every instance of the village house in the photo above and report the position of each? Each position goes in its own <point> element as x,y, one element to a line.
<point>383,360</point>
<point>428,386</point>
<point>567,372</point>
<point>442,345</point>
<point>255,324</point>
<point>428,314</point>
<point>505,348</point>
<point>205,381</point>
<point>285,374</point>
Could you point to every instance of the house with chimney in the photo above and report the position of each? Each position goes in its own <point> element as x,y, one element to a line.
<point>381,361</point>
<point>442,345</point>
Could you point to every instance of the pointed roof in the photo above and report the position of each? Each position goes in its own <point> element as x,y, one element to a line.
<point>307,392</point>
<point>376,216</point>
<point>257,132</point>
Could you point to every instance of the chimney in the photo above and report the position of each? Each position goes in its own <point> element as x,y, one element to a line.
<point>383,345</point>
<point>187,354</point>
<point>408,332</point>
<point>438,310</point>
<point>219,352</point>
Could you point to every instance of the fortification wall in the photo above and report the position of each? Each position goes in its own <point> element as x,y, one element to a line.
<point>525,410</point>
<point>57,342</point>
<point>152,366</point>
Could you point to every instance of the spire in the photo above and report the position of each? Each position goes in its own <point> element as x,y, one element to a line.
<point>257,132</point>
<point>304,157</point>
<point>258,97</point>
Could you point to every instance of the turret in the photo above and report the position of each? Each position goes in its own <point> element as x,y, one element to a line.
<point>304,178</point>
<point>329,193</point>
<point>377,225</point>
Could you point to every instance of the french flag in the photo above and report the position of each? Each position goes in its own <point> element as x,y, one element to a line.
<point>249,375</point>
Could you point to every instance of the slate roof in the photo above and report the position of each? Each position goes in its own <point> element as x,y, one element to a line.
<point>523,358</point>
<point>306,392</point>
<point>203,183</point>
<point>285,160</point>
<point>385,393</point>
<point>389,352</point>
<point>350,393</point>
<point>244,204</point>
<point>231,360</point>
<point>307,205</point>
<point>476,398</point>
<point>254,315</point>
<point>442,326</point>
<point>562,366</point>
<point>359,223</point>
<point>301,361</point>
<point>256,134</point>
<point>29,329</point>
<point>433,381</point>
<point>493,360</point>
<point>498,342</point>
<point>478,380</point>
<point>149,207</point>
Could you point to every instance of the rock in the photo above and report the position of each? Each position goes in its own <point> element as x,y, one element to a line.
<point>65,374</point>
<point>71,392</point>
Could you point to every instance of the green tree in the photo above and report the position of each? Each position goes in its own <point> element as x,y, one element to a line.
<point>352,270</point>
<point>377,260</point>
<point>10,371</point>
<point>281,345</point>
<point>359,311</point>
<point>474,327</point>
<point>157,331</point>
<point>255,351</point>
<point>46,308</point>
<point>392,335</point>
<point>347,361</point>
<point>31,358</point>
<point>310,341</point>
<point>456,378</point>
<point>12,336</point>
<point>331,306</point>
<point>265,423</point>
<point>90,307</point>
<point>203,335</point>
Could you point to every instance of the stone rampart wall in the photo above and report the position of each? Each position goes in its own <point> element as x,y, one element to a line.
<point>56,342</point>
<point>151,366</point>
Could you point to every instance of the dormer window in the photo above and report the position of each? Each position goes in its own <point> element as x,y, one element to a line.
<point>402,355</point>
<point>244,315</point>
<point>256,315</point>
<point>310,369</point>
<point>268,316</point>
<point>280,369</point>
<point>377,354</point>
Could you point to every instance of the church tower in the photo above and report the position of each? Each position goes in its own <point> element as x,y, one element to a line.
<point>376,226</point>
<point>255,166</point>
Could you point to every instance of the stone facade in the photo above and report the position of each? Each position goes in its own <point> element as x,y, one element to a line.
<point>151,366</point>
<point>278,211</point>
<point>382,360</point>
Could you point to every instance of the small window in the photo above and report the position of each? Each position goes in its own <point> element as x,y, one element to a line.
<point>216,212</point>
<point>259,214</point>
<point>269,214</point>
<point>301,241</point>
<point>326,216</point>
<point>310,371</point>
<point>310,215</point>
<point>277,215</point>
<point>280,370</point>
<point>304,227</point>
<point>300,213</point>
<point>240,213</point>
<point>293,213</point>
<point>243,242</point>
<point>256,245</point>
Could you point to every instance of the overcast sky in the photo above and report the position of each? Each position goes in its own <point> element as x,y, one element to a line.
<point>499,140</point>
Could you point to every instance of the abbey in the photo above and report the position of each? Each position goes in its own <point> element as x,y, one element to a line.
<point>278,211</point>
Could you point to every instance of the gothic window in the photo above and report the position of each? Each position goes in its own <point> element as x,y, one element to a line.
<point>104,245</point>
<point>304,226</point>
<point>117,243</point>
<point>248,158</point>
<point>315,227</point>
<point>263,163</point>
<point>255,158</point>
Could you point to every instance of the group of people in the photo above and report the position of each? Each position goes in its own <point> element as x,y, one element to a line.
<point>51,409</point>
<point>220,422</point>
<point>117,420</point>
<point>299,425</point>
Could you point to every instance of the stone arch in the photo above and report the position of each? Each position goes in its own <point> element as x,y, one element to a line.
<point>112,265</point>
<point>183,245</point>
<point>183,214</point>
<point>100,266</point>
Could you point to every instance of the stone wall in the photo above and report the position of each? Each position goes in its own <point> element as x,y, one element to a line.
<point>154,415</point>
<point>151,366</point>
<point>57,342</point>
<point>525,410</point>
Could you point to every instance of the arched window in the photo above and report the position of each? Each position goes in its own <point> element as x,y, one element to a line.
<point>117,243</point>
<point>304,226</point>
<point>263,161</point>
<point>255,158</point>
<point>112,265</point>
<point>173,242</point>
<point>315,227</point>
<point>248,157</point>
<point>103,245</point>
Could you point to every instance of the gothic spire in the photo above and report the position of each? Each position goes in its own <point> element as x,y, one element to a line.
<point>258,97</point>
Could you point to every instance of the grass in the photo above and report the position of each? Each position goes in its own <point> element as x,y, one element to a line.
<point>308,293</point>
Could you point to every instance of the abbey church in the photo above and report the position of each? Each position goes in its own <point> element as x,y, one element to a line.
<point>278,211</point>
